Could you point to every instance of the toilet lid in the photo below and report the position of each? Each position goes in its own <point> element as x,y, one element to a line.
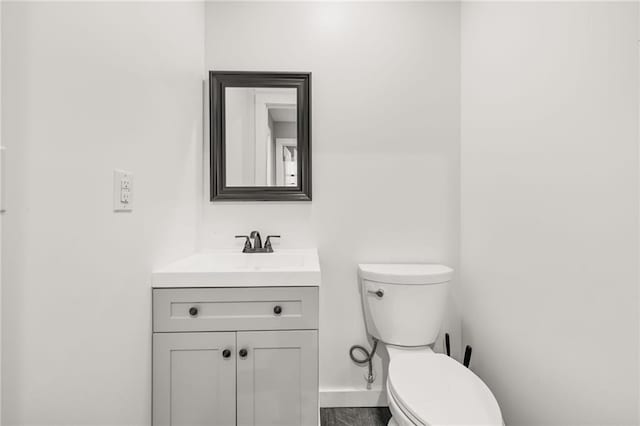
<point>438,390</point>
<point>405,273</point>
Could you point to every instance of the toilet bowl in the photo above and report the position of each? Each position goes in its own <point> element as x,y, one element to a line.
<point>426,388</point>
<point>404,306</point>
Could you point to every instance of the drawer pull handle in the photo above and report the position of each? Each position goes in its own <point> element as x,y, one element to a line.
<point>193,311</point>
<point>243,353</point>
<point>277,310</point>
<point>226,353</point>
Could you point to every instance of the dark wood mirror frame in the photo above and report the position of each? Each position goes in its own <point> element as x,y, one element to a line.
<point>218,82</point>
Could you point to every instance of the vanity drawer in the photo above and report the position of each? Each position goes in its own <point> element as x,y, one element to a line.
<point>226,309</point>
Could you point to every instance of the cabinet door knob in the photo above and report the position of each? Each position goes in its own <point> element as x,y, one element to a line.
<point>277,310</point>
<point>243,353</point>
<point>226,353</point>
<point>193,311</point>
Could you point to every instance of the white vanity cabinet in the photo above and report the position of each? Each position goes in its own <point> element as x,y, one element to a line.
<point>245,356</point>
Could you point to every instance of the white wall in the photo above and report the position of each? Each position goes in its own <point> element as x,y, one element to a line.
<point>240,134</point>
<point>0,217</point>
<point>385,144</point>
<point>89,87</point>
<point>549,218</point>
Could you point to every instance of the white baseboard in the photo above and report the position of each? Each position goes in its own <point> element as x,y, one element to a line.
<point>351,397</point>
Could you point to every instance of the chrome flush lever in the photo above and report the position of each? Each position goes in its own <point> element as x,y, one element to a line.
<point>378,293</point>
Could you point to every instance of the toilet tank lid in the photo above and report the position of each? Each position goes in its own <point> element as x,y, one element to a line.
<point>405,273</point>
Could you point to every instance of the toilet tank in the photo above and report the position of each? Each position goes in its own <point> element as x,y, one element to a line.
<point>404,304</point>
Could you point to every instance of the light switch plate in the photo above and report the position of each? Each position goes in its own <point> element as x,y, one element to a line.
<point>122,191</point>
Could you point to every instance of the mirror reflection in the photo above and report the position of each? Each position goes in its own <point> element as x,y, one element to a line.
<point>261,146</point>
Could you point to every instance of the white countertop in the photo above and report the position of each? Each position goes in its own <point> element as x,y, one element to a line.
<point>232,268</point>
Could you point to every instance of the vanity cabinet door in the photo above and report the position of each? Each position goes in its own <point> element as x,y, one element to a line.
<point>277,378</point>
<point>194,379</point>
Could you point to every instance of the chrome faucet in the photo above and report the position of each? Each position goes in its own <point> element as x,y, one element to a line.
<point>257,240</point>
<point>257,247</point>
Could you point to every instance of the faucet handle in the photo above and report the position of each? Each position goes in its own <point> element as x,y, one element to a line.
<point>247,242</point>
<point>267,244</point>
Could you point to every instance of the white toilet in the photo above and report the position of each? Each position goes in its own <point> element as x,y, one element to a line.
<point>404,306</point>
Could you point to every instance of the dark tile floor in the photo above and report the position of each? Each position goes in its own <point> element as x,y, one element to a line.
<point>366,416</point>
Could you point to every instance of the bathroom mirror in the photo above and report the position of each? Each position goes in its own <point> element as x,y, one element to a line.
<point>260,136</point>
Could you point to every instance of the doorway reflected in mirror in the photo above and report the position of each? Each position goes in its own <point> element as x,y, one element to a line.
<point>261,136</point>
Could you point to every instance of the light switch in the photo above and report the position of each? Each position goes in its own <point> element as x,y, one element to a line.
<point>122,191</point>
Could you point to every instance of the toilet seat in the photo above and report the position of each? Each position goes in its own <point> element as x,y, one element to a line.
<point>434,389</point>
<point>406,418</point>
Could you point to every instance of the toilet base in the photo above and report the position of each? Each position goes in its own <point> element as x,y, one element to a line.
<point>398,416</point>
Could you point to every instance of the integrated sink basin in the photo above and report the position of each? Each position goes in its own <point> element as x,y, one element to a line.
<point>230,268</point>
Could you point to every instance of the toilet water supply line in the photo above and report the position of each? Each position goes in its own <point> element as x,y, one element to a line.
<point>369,359</point>
<point>370,377</point>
